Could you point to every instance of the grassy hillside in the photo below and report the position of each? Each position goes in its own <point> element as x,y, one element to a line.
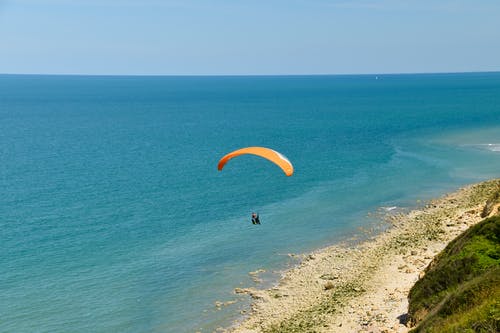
<point>460,291</point>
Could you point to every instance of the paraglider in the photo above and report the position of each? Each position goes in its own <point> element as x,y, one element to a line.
<point>272,155</point>
<point>269,154</point>
<point>255,218</point>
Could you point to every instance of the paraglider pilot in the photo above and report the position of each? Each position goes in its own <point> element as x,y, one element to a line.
<point>255,218</point>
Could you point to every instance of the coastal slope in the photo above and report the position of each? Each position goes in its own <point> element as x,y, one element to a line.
<point>364,287</point>
<point>461,287</point>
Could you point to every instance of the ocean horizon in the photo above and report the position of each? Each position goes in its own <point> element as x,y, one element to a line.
<point>243,75</point>
<point>114,217</point>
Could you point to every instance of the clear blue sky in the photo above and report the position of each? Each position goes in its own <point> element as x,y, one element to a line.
<point>176,37</point>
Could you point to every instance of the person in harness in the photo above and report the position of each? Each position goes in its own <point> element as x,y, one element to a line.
<point>255,218</point>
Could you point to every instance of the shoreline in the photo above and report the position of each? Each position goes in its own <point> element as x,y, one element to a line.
<point>364,288</point>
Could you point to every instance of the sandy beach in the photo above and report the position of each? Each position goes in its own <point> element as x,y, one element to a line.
<point>364,287</point>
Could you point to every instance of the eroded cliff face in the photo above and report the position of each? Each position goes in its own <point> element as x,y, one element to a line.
<point>492,206</point>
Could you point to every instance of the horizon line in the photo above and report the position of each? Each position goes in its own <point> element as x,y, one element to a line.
<point>248,75</point>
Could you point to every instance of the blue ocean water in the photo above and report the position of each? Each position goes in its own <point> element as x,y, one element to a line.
<point>114,218</point>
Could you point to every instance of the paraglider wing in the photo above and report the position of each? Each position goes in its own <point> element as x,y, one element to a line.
<point>266,153</point>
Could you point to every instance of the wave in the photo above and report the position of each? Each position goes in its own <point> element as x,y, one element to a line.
<point>494,147</point>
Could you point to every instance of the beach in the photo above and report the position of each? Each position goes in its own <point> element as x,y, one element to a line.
<point>363,287</point>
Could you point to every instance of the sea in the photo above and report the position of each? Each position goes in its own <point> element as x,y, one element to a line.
<point>114,217</point>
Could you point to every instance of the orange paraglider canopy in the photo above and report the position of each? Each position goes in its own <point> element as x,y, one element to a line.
<point>267,153</point>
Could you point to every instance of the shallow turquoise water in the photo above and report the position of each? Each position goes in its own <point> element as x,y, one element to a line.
<point>113,215</point>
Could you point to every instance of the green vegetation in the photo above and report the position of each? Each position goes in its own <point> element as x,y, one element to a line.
<point>460,291</point>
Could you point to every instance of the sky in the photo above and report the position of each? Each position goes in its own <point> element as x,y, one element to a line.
<point>248,37</point>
